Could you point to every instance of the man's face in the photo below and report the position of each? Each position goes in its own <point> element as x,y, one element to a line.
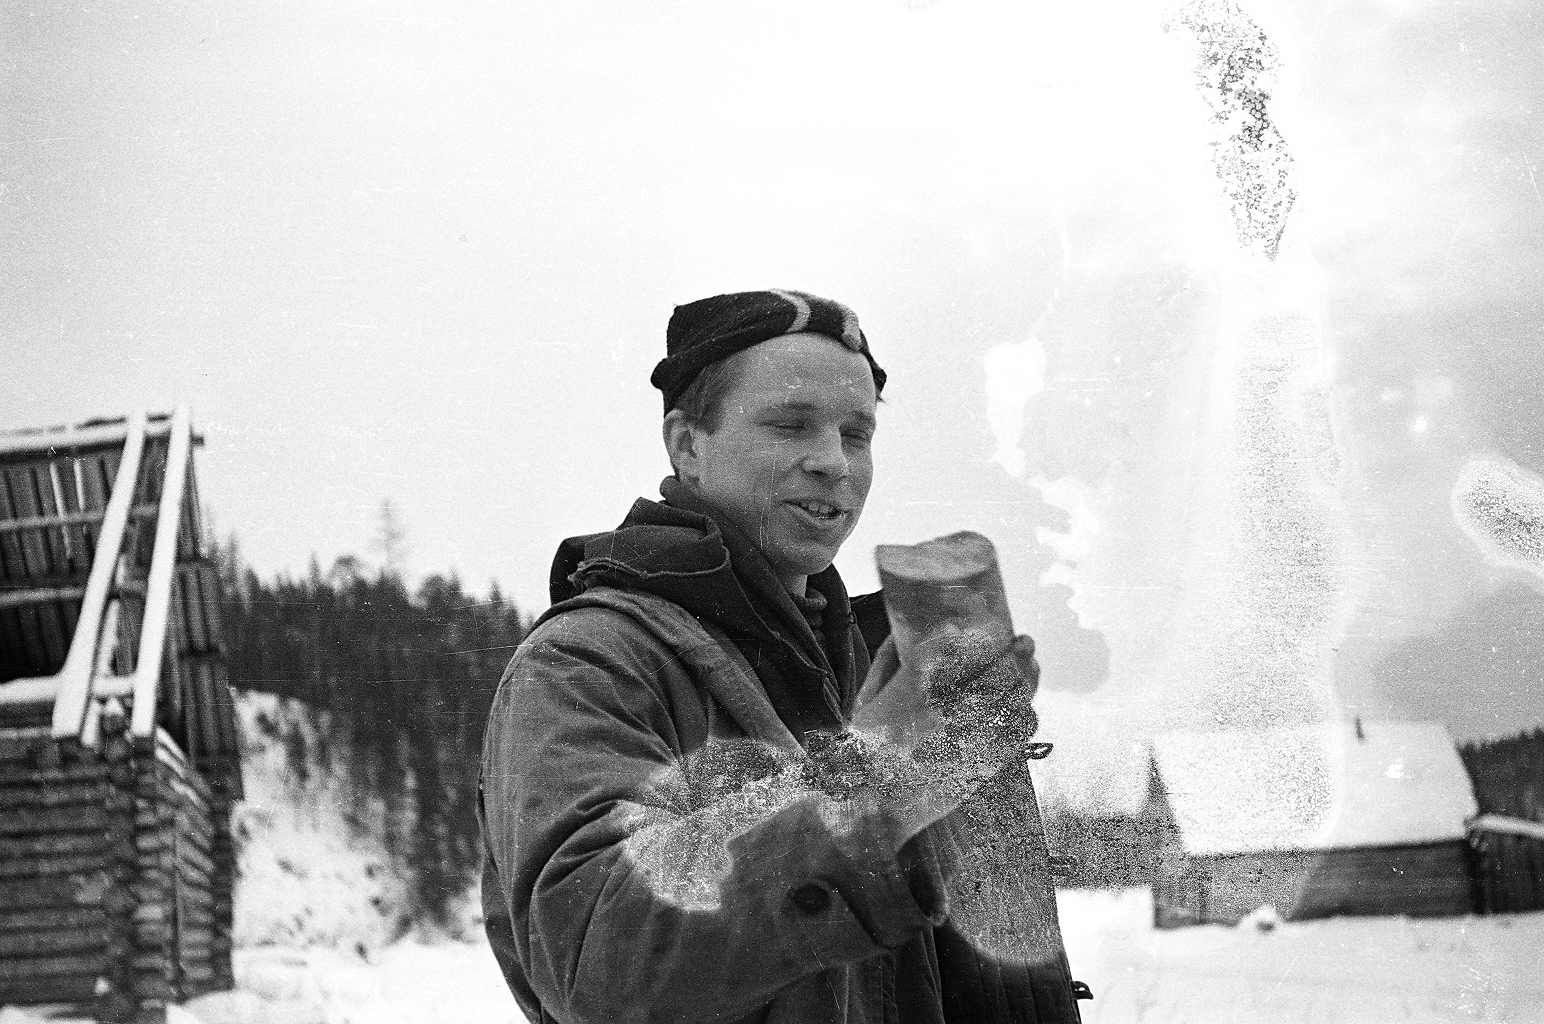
<point>790,461</point>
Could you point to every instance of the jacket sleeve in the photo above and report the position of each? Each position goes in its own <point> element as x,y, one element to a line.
<point>634,893</point>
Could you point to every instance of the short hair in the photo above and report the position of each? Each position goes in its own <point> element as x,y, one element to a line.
<point>702,403</point>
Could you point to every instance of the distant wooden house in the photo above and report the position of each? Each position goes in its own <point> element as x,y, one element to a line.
<point>119,758</point>
<point>1508,864</point>
<point>1353,819</point>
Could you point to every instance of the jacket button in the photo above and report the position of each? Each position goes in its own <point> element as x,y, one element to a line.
<point>810,899</point>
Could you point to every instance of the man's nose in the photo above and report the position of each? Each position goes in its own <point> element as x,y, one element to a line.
<point>826,455</point>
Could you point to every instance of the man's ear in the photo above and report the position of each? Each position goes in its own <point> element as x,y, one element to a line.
<point>681,445</point>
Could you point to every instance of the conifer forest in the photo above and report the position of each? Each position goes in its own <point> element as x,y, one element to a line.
<point>397,686</point>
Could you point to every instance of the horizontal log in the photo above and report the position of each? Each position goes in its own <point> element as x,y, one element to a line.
<point>196,929</point>
<point>22,748</point>
<point>43,793</point>
<point>42,867</point>
<point>156,935</point>
<point>196,897</point>
<point>151,885</point>
<point>151,913</point>
<point>15,775</point>
<point>147,987</point>
<point>45,820</point>
<point>74,843</point>
<point>88,889</point>
<point>155,840</point>
<point>204,921</point>
<point>87,517</point>
<point>161,921</point>
<point>161,810</point>
<point>190,876</point>
<point>67,988</point>
<point>49,755</point>
<point>15,968</point>
<point>158,862</point>
<point>50,918</point>
<point>59,940</point>
<point>193,946</point>
<point>148,823</point>
<point>39,595</point>
<point>200,945</point>
<point>152,964</point>
<point>154,938</point>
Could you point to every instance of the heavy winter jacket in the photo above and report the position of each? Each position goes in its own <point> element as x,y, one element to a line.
<point>672,676</point>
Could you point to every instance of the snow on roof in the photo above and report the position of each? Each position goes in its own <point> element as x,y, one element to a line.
<point>1317,788</point>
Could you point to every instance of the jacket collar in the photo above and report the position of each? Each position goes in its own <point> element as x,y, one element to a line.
<point>685,550</point>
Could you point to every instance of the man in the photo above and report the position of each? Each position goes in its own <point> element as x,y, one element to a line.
<point>678,825</point>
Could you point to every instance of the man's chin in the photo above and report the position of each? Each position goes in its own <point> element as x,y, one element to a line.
<point>804,562</point>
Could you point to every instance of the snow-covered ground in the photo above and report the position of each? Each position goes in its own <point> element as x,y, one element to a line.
<point>409,982</point>
<point>1341,971</point>
<point>322,939</point>
<point>1353,970</point>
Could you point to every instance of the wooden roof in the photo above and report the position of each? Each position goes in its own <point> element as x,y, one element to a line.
<point>77,620</point>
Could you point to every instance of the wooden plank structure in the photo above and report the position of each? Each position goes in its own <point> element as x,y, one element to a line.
<point>119,756</point>
<point>1508,864</point>
<point>1315,822</point>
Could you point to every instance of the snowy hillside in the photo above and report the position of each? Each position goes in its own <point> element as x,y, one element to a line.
<point>322,926</point>
<point>312,868</point>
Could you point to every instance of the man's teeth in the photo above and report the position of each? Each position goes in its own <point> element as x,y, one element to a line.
<point>818,508</point>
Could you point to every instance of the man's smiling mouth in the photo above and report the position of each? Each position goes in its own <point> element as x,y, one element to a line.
<point>822,510</point>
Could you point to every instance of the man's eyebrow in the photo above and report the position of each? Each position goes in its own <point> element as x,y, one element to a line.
<point>795,405</point>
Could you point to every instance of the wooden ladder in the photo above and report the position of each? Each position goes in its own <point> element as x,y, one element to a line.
<point>49,509</point>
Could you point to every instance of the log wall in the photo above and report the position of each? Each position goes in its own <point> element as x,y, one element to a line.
<point>1417,881</point>
<point>116,876</point>
<point>1509,872</point>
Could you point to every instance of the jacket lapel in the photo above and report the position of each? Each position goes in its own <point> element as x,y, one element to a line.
<point>711,657</point>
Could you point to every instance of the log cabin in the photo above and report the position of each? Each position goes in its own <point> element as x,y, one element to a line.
<point>1508,864</point>
<point>1349,818</point>
<point>119,754</point>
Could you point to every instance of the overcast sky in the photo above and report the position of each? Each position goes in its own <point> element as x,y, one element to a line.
<point>426,251</point>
